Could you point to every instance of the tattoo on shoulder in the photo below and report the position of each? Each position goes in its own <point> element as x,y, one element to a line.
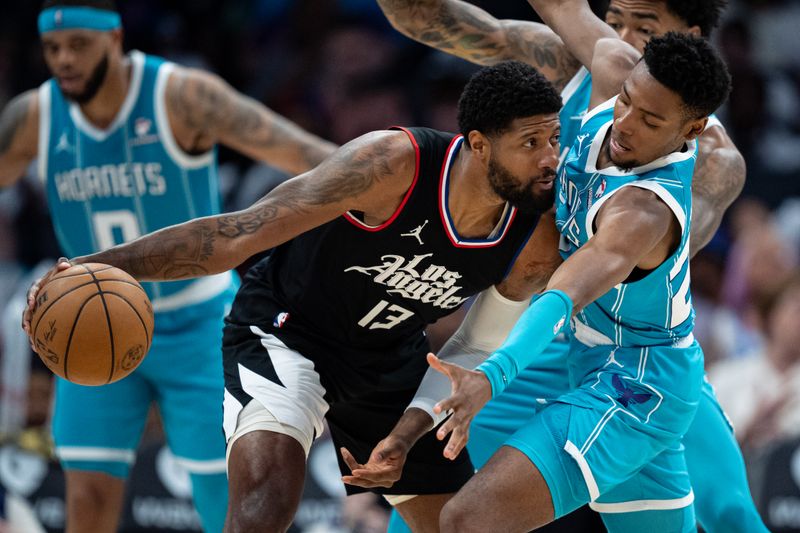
<point>12,118</point>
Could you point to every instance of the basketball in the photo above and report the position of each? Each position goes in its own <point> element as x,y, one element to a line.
<point>93,324</point>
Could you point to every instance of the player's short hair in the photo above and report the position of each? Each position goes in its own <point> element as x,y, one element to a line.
<point>108,5</point>
<point>702,13</point>
<point>497,95</point>
<point>691,67</point>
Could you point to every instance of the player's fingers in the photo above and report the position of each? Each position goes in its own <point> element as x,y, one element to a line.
<point>458,439</point>
<point>436,364</point>
<point>358,482</point>
<point>349,460</point>
<point>63,264</point>
<point>383,475</point>
<point>445,429</point>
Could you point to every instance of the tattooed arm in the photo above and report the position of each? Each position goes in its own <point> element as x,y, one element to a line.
<point>719,176</point>
<point>19,135</point>
<point>467,31</point>
<point>204,110</point>
<point>370,174</point>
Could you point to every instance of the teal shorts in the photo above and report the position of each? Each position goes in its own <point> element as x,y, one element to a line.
<point>99,428</point>
<point>615,439</point>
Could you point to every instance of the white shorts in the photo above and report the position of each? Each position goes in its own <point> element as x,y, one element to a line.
<point>296,409</point>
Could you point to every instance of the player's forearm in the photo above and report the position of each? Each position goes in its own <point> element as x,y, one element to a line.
<point>188,250</point>
<point>467,31</point>
<point>413,424</point>
<point>275,140</point>
<point>718,180</point>
<point>577,26</point>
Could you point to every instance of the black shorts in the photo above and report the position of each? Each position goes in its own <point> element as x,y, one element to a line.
<point>271,367</point>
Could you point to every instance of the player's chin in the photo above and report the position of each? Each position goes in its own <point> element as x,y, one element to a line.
<point>625,163</point>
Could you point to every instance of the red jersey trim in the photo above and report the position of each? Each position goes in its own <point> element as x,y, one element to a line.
<point>359,224</point>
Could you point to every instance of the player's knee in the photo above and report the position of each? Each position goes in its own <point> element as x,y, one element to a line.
<point>455,517</point>
<point>98,492</point>
<point>272,517</point>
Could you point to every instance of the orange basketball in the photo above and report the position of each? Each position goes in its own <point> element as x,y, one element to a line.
<point>93,324</point>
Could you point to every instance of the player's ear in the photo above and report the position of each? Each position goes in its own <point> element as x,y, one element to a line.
<point>479,144</point>
<point>694,31</point>
<point>695,128</point>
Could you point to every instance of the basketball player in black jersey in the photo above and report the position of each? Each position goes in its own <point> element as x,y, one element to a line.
<point>394,231</point>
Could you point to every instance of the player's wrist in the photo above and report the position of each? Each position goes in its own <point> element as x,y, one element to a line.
<point>412,425</point>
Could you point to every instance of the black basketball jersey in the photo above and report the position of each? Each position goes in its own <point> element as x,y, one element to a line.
<point>360,296</point>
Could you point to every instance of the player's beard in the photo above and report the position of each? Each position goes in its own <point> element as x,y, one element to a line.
<point>96,79</point>
<point>520,196</point>
<point>625,166</point>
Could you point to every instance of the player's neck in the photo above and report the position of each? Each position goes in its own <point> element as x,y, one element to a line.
<point>106,104</point>
<point>473,205</point>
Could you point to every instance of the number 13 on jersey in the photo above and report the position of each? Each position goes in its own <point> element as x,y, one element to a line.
<point>384,316</point>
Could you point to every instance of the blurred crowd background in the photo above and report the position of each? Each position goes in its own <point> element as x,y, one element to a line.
<point>338,69</point>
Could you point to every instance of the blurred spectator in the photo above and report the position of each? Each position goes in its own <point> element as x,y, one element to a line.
<point>761,393</point>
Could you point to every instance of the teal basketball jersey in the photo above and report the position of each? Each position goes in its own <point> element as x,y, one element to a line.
<point>108,186</point>
<point>656,309</point>
<point>574,105</point>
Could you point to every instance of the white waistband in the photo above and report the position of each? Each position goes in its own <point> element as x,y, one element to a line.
<point>199,291</point>
<point>591,337</point>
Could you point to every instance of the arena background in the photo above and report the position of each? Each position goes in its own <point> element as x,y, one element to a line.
<point>339,70</point>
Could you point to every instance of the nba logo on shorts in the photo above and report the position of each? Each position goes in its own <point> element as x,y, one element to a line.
<point>280,320</point>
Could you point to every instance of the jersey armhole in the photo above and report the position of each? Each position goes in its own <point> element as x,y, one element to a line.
<point>45,98</point>
<point>354,220</point>
<point>171,146</point>
<point>656,188</point>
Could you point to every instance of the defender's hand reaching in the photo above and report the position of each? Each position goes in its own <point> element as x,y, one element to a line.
<point>471,390</point>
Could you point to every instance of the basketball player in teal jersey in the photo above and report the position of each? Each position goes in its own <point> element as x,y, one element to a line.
<point>623,210</point>
<point>467,31</point>
<point>125,145</point>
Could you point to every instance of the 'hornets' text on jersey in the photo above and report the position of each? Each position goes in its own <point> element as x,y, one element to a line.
<point>108,186</point>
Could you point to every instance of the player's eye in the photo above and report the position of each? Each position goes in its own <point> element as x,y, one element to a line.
<point>530,143</point>
<point>647,31</point>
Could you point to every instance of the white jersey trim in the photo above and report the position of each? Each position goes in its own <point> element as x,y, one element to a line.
<point>199,291</point>
<point>659,190</point>
<point>643,505</point>
<point>80,453</point>
<point>100,135</point>
<point>713,122</point>
<point>45,113</point>
<point>165,129</point>
<point>597,143</point>
<point>598,108</point>
<point>569,89</point>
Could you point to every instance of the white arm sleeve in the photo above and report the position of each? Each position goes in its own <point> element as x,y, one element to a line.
<point>485,327</point>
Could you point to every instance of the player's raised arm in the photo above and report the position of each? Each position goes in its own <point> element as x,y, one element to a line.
<point>19,134</point>
<point>369,174</point>
<point>593,42</point>
<point>204,110</point>
<point>469,32</point>
<point>718,179</point>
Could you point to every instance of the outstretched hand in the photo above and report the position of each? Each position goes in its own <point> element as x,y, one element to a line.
<point>384,467</point>
<point>470,392</point>
<point>62,264</point>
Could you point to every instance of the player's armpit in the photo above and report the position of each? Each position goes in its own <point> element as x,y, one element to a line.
<point>19,136</point>
<point>469,32</point>
<point>633,228</point>
<point>204,110</point>
<point>370,174</point>
<point>718,180</point>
